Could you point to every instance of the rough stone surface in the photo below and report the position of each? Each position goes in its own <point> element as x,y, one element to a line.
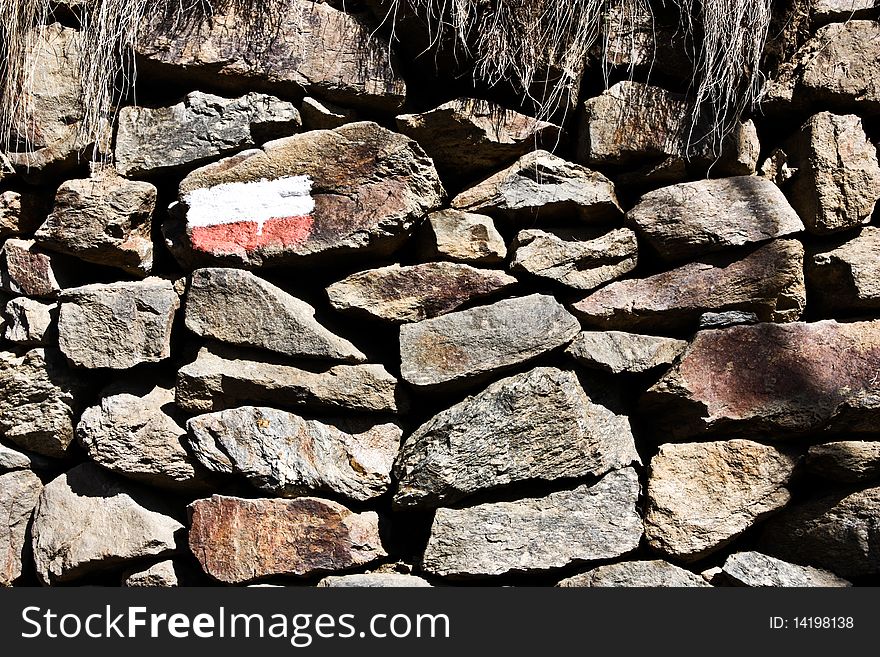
<point>11,459</point>
<point>837,532</point>
<point>360,188</point>
<point>20,212</point>
<point>470,343</point>
<point>462,237</point>
<point>769,283</point>
<point>836,68</point>
<point>726,319</point>
<point>159,575</point>
<point>416,292</point>
<point>692,219</point>
<point>846,461</point>
<point>837,177</point>
<point>590,522</point>
<point>701,496</point>
<point>774,379</point>
<point>24,270</point>
<point>842,10</point>
<point>320,115</point>
<point>287,455</point>
<point>56,113</point>
<point>39,397</point>
<point>550,428</point>
<point>216,380</point>
<point>238,540</point>
<point>202,127</point>
<point>237,307</point>
<point>633,123</point>
<point>374,581</point>
<point>105,220</point>
<point>28,322</point>
<point>618,352</point>
<point>21,490</point>
<point>756,569</point>
<point>117,325</point>
<point>847,277</point>
<point>576,259</point>
<point>468,137</point>
<point>543,185</point>
<point>87,520</point>
<point>655,573</point>
<point>286,49</point>
<point>132,434</point>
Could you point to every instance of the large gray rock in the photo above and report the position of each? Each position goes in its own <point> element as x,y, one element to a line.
<point>287,455</point>
<point>415,292</point>
<point>836,68</point>
<point>49,129</point>
<point>39,398</point>
<point>286,48</point>
<point>105,219</point>
<point>692,219</point>
<point>756,569</point>
<point>132,434</point>
<point>590,522</point>
<point>117,325</point>
<point>461,237</point>
<point>202,127</point>
<point>11,459</point>
<point>87,521</point>
<point>635,574</point>
<point>838,532</point>
<point>774,379</point>
<point>25,270</point>
<point>465,345</point>
<point>217,380</point>
<point>543,185</point>
<point>21,490</point>
<point>769,282</point>
<point>701,496</point>
<point>576,259</point>
<point>469,137</point>
<point>633,124</point>
<point>358,189</point>
<point>837,177</point>
<point>235,306</point>
<point>550,428</point>
<point>373,581</point>
<point>846,461</point>
<point>238,540</point>
<point>28,322</point>
<point>617,352</point>
<point>847,277</point>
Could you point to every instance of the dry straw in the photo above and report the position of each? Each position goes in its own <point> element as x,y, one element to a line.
<point>538,46</point>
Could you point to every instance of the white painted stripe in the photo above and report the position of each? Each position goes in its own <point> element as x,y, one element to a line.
<point>257,201</point>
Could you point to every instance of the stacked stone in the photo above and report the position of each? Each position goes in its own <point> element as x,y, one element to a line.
<point>620,348</point>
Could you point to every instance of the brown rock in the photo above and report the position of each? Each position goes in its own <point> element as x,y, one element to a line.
<point>692,219</point>
<point>847,277</point>
<point>635,573</point>
<point>417,292</point>
<point>542,185</point>
<point>21,490</point>
<point>469,137</point>
<point>617,352</point>
<point>836,180</point>
<point>104,219</point>
<point>24,270</point>
<point>285,48</point>
<point>29,322</point>
<point>238,540</point>
<point>777,379</point>
<point>576,259</point>
<point>842,10</point>
<point>846,461</point>
<point>320,115</point>
<point>701,496</point>
<point>357,189</point>
<point>756,569</point>
<point>769,282</point>
<point>20,213</point>
<point>461,237</point>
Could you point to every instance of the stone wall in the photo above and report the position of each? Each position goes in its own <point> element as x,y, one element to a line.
<point>321,318</point>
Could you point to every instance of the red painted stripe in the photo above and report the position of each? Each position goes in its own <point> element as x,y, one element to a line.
<point>226,239</point>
